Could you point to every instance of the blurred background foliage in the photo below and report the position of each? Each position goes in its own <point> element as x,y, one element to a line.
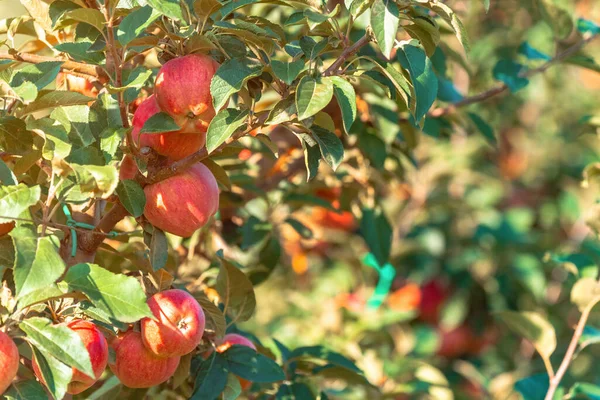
<point>480,223</point>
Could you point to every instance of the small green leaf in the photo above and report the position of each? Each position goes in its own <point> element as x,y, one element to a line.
<point>159,123</point>
<point>283,111</point>
<point>105,290</point>
<point>533,327</point>
<point>159,249</point>
<point>134,24</point>
<point>233,389</point>
<point>299,227</point>
<point>425,83</point>
<point>58,341</point>
<point>585,292</point>
<point>511,73</point>
<point>377,233</point>
<point>346,98</point>
<point>26,390</point>
<point>246,363</point>
<point>331,146</point>
<point>486,131</point>
<point>533,387</point>
<point>223,125</point>
<point>57,98</point>
<point>211,377</point>
<point>170,8</point>
<point>312,96</point>
<point>75,120</point>
<point>37,262</point>
<point>229,79</point>
<point>15,199</point>
<point>384,21</point>
<point>86,15</point>
<point>41,75</point>
<point>101,181</point>
<point>132,197</point>
<point>57,375</point>
<point>287,72</point>
<point>235,291</point>
<point>26,92</point>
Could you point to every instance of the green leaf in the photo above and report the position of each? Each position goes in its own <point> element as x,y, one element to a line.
<point>98,180</point>
<point>533,327</point>
<point>58,341</point>
<point>7,177</point>
<point>511,73</point>
<point>589,336</point>
<point>322,353</point>
<point>86,15</point>
<point>41,75</point>
<point>134,24</point>
<point>57,375</point>
<point>533,387</point>
<point>16,199</point>
<point>75,120</point>
<point>377,233</point>
<point>211,378</point>
<point>40,295</point>
<point>283,111</point>
<point>105,114</point>
<point>229,79</point>
<point>105,290</point>
<point>219,172</point>
<point>346,98</point>
<point>312,48</point>
<point>425,83</point>
<point>233,389</point>
<point>357,7</point>
<point>57,98</point>
<point>159,249</point>
<point>486,131</point>
<point>331,146</point>
<point>170,8</point>
<point>585,292</point>
<point>137,79</point>
<point>299,227</point>
<point>312,158</point>
<point>287,72</point>
<point>450,17</point>
<point>37,262</point>
<point>223,125</point>
<point>384,21</point>
<point>132,197</point>
<point>213,314</point>
<point>312,96</point>
<point>589,391</point>
<point>159,123</point>
<point>26,92</point>
<point>246,363</point>
<point>26,390</point>
<point>235,291</point>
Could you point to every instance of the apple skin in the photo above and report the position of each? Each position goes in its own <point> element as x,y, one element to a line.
<point>9,361</point>
<point>175,144</point>
<point>182,90</point>
<point>128,169</point>
<point>179,324</point>
<point>183,203</point>
<point>76,84</point>
<point>232,339</point>
<point>97,347</point>
<point>433,296</point>
<point>136,366</point>
<point>6,227</point>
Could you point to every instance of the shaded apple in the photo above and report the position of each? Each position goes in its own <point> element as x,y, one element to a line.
<point>179,324</point>
<point>182,90</point>
<point>97,347</point>
<point>9,361</point>
<point>138,367</point>
<point>175,145</point>
<point>183,203</point>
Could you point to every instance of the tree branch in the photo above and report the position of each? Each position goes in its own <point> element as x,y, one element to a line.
<point>348,51</point>
<point>68,66</point>
<point>501,88</point>
<point>564,365</point>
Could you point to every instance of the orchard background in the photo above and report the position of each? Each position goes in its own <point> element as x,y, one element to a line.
<point>407,207</point>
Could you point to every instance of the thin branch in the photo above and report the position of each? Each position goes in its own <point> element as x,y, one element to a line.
<point>106,224</point>
<point>93,71</point>
<point>564,365</point>
<point>348,52</point>
<point>501,88</point>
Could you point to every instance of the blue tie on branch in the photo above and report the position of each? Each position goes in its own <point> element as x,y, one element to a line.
<point>387,273</point>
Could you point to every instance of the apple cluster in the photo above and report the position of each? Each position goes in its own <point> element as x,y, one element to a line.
<point>182,203</point>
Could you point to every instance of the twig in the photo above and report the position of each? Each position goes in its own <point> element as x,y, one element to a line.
<point>564,365</point>
<point>501,88</point>
<point>81,68</point>
<point>349,51</point>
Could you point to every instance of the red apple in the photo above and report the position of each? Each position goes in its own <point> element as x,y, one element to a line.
<point>233,339</point>
<point>456,342</point>
<point>175,145</point>
<point>182,90</point>
<point>138,367</point>
<point>9,361</point>
<point>128,168</point>
<point>179,324</point>
<point>6,227</point>
<point>97,347</point>
<point>183,203</point>
<point>433,296</point>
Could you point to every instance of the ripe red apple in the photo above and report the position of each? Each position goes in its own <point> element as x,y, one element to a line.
<point>75,83</point>
<point>175,145</point>
<point>182,90</point>
<point>183,203</point>
<point>9,361</point>
<point>6,227</point>
<point>433,296</point>
<point>456,342</point>
<point>97,347</point>
<point>138,367</point>
<point>179,324</point>
<point>232,339</point>
<point>128,168</point>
